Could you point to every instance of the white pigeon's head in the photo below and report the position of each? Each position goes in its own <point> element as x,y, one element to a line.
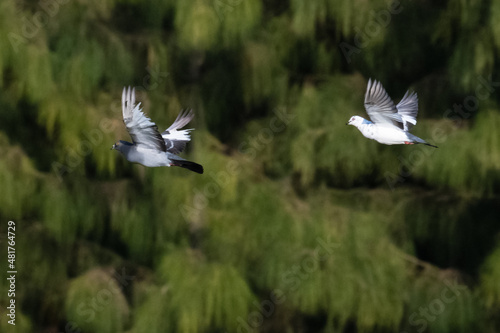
<point>355,121</point>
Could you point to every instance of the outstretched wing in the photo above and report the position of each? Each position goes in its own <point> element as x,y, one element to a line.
<point>142,130</point>
<point>175,139</point>
<point>380,107</point>
<point>408,109</point>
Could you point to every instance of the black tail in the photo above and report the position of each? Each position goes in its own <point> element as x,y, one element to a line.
<point>188,165</point>
<point>417,140</point>
<point>428,144</point>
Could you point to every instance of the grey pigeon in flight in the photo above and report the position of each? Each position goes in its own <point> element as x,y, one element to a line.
<point>149,147</point>
<point>390,124</point>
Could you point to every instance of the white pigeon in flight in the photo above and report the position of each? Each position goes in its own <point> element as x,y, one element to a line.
<point>390,124</point>
<point>149,147</point>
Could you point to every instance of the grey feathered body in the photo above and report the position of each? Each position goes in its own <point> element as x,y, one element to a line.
<point>147,157</point>
<point>148,146</point>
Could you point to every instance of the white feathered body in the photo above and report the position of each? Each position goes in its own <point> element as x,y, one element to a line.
<point>391,124</point>
<point>387,135</point>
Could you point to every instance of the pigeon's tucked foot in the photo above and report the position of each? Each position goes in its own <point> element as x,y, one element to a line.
<point>409,143</point>
<point>188,165</point>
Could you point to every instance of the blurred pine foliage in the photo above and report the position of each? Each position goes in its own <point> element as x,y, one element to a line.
<point>299,224</point>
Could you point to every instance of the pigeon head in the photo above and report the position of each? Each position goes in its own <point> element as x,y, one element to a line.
<point>355,121</point>
<point>116,146</point>
<point>121,146</point>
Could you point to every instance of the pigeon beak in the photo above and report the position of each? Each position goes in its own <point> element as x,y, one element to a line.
<point>347,123</point>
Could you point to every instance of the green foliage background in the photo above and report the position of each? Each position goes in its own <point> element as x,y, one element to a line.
<point>299,223</point>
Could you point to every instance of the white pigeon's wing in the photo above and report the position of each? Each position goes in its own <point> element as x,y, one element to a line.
<point>408,109</point>
<point>380,107</point>
<point>141,129</point>
<point>176,139</point>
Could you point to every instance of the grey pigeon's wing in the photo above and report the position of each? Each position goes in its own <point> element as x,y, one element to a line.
<point>408,109</point>
<point>176,139</point>
<point>142,130</point>
<point>182,120</point>
<point>175,146</point>
<point>380,107</point>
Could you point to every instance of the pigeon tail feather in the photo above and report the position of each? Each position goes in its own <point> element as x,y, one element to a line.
<point>188,165</point>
